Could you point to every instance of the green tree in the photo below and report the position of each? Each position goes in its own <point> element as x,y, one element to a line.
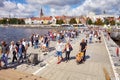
<point>59,21</point>
<point>12,21</point>
<point>99,22</point>
<point>112,22</point>
<point>0,21</point>
<point>73,21</point>
<point>3,21</point>
<point>80,22</point>
<point>21,21</point>
<point>118,23</point>
<point>106,21</point>
<point>89,21</point>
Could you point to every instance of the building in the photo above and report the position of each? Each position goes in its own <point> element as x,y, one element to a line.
<point>28,21</point>
<point>118,20</point>
<point>94,17</point>
<point>41,20</point>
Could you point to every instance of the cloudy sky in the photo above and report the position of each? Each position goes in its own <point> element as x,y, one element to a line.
<point>30,8</point>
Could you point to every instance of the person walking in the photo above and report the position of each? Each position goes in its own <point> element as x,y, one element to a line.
<point>90,37</point>
<point>83,47</point>
<point>46,42</point>
<point>21,49</point>
<point>32,40</point>
<point>26,44</point>
<point>5,53</point>
<point>0,56</point>
<point>67,50</point>
<point>13,50</point>
<point>59,51</point>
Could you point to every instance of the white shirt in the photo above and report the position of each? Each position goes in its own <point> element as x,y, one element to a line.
<point>24,43</point>
<point>55,34</point>
<point>59,47</point>
<point>58,35</point>
<point>12,48</point>
<point>91,35</point>
<point>67,49</point>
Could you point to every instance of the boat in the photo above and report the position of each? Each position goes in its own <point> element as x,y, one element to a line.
<point>80,26</point>
<point>68,26</point>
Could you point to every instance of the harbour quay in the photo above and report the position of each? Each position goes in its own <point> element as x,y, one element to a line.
<point>102,62</point>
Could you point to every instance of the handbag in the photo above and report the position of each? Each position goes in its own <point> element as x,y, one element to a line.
<point>71,48</point>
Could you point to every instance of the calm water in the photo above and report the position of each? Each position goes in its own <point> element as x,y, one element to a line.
<point>9,34</point>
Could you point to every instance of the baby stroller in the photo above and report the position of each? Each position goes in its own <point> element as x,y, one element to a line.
<point>79,57</point>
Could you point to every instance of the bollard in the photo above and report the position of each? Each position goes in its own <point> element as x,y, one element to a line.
<point>107,76</point>
<point>117,51</point>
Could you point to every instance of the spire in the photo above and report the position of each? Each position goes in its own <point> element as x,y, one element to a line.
<point>41,13</point>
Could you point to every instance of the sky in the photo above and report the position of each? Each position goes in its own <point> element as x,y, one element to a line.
<point>31,8</point>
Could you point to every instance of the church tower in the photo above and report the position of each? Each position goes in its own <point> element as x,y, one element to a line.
<point>41,13</point>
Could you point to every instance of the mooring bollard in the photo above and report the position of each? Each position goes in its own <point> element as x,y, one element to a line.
<point>107,76</point>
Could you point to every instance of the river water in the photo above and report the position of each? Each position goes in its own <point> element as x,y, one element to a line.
<point>9,33</point>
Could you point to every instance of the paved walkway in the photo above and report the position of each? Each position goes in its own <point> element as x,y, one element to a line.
<point>97,59</point>
<point>10,74</point>
<point>92,69</point>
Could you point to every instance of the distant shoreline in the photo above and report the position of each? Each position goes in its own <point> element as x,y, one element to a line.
<point>30,26</point>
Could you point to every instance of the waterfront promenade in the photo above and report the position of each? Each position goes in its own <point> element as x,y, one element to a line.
<point>93,69</point>
<point>97,59</point>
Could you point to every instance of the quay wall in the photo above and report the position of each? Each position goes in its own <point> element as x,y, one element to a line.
<point>111,47</point>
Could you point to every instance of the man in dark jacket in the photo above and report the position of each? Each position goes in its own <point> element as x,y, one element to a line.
<point>83,47</point>
<point>5,52</point>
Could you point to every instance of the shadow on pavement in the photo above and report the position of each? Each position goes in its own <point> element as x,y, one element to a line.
<point>87,56</point>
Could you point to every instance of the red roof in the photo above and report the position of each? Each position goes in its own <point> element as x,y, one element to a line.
<point>118,18</point>
<point>60,17</point>
<point>42,18</point>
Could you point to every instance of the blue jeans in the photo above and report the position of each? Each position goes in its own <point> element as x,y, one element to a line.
<point>59,53</point>
<point>35,45</point>
<point>5,58</point>
<point>90,40</point>
<point>20,56</point>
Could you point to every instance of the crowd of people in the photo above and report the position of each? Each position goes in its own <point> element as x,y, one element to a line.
<point>19,49</point>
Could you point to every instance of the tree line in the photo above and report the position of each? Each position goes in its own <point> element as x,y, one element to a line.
<point>89,21</point>
<point>12,21</point>
<point>99,21</point>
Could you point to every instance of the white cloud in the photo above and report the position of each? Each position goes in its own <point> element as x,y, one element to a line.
<point>13,9</point>
<point>59,7</point>
<point>52,10</point>
<point>55,2</point>
<point>60,10</point>
<point>1,3</point>
<point>20,7</point>
<point>9,5</point>
<point>97,6</point>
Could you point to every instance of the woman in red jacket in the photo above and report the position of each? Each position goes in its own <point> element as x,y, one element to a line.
<point>67,50</point>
